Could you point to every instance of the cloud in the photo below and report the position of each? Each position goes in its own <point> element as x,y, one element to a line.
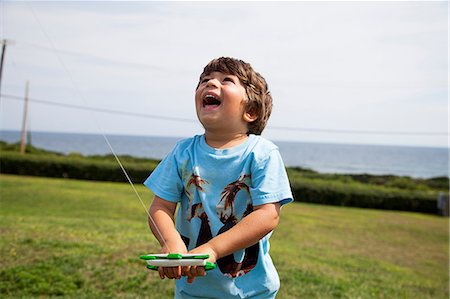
<point>330,65</point>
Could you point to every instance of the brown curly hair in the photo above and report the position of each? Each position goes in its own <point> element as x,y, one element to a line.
<point>259,99</point>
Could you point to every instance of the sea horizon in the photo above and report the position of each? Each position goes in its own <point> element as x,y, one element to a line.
<point>345,158</point>
<point>273,140</point>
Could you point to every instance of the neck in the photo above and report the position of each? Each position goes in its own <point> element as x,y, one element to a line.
<point>224,140</point>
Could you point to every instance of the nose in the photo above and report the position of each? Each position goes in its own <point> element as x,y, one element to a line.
<point>213,82</point>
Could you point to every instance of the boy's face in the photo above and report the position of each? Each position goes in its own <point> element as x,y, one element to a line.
<point>220,103</point>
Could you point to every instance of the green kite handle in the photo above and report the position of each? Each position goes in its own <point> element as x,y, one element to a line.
<point>174,256</point>
<point>177,256</point>
<point>208,266</point>
<point>152,268</point>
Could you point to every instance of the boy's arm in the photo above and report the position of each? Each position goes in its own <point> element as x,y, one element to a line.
<point>245,233</point>
<point>248,231</point>
<point>162,213</point>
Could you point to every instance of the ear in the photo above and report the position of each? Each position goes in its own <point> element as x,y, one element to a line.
<point>250,117</point>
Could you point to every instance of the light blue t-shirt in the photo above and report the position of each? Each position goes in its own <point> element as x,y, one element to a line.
<point>216,188</point>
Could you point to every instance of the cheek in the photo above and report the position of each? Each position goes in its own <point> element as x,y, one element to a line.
<point>197,97</point>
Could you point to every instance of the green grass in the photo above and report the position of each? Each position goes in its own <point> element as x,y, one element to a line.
<point>80,239</point>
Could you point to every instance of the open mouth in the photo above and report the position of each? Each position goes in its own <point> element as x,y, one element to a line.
<point>210,101</point>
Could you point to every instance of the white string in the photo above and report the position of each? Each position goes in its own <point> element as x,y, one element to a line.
<point>101,132</point>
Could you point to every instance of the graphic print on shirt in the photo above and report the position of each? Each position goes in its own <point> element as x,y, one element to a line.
<point>225,207</point>
<point>226,213</point>
<point>225,210</point>
<point>196,210</point>
<point>205,234</point>
<point>197,181</point>
<point>194,181</point>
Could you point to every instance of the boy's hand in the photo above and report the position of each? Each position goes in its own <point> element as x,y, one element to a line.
<point>172,272</point>
<point>193,271</point>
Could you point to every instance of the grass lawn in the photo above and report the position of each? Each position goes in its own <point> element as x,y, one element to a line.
<point>80,239</point>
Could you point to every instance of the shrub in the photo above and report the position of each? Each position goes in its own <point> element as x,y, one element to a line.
<point>366,191</point>
<point>363,195</point>
<point>73,167</point>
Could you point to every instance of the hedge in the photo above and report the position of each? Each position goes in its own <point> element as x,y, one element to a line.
<point>313,190</point>
<point>364,196</point>
<point>73,167</point>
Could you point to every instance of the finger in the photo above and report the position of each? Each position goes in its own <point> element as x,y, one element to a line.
<point>168,271</point>
<point>196,271</point>
<point>185,270</point>
<point>190,274</point>
<point>201,271</point>
<point>193,271</point>
<point>161,272</point>
<point>173,272</point>
<point>177,271</point>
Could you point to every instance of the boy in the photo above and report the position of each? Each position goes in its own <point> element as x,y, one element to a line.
<point>230,184</point>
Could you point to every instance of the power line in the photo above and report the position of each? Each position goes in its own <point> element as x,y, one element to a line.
<point>110,111</point>
<point>144,66</point>
<point>180,119</point>
<point>100,59</point>
<point>303,83</point>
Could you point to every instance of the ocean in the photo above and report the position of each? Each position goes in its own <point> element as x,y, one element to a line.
<point>417,162</point>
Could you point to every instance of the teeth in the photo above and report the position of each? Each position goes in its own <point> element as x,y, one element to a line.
<point>210,99</point>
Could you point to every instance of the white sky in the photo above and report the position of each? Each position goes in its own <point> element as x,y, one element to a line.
<point>369,66</point>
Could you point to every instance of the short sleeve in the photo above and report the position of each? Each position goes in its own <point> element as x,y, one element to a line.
<point>165,181</point>
<point>270,182</point>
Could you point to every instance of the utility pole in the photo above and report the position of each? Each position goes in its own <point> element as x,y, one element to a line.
<point>23,139</point>
<point>4,43</point>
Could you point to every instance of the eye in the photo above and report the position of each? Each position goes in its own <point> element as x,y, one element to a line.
<point>229,79</point>
<point>204,80</point>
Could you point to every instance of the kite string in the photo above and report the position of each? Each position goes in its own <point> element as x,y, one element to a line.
<point>99,129</point>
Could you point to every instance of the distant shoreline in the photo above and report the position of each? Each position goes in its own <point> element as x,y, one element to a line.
<point>276,141</point>
<point>360,190</point>
<point>416,162</point>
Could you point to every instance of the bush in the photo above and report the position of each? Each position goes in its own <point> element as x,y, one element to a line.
<point>366,191</point>
<point>403,182</point>
<point>363,195</point>
<point>73,167</point>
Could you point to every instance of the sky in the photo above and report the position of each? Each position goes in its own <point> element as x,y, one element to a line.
<point>339,72</point>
